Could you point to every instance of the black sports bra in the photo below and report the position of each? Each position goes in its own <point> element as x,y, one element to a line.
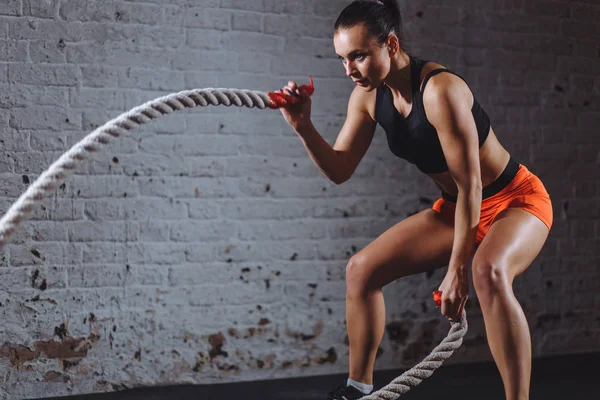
<point>413,138</point>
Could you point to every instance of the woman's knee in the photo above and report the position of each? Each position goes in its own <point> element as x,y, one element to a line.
<point>490,278</point>
<point>358,275</point>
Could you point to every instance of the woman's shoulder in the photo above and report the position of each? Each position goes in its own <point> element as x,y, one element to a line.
<point>363,101</point>
<point>431,77</point>
<point>428,68</point>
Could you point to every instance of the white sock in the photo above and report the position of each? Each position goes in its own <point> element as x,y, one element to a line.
<point>363,387</point>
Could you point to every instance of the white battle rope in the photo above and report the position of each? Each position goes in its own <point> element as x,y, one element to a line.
<point>62,168</point>
<point>425,368</point>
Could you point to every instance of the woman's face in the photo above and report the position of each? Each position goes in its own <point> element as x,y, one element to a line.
<point>365,62</point>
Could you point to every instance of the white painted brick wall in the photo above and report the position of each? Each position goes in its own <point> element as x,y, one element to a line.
<point>206,247</point>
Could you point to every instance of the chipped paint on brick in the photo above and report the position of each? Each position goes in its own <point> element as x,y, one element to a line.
<point>67,348</point>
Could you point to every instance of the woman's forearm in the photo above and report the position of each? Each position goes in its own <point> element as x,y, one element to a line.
<point>326,158</point>
<point>466,221</point>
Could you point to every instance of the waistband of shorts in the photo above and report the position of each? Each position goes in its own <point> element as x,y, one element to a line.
<point>509,173</point>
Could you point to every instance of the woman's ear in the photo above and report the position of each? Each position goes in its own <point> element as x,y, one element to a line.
<point>393,45</point>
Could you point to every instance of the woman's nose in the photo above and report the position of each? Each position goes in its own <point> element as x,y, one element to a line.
<point>349,69</point>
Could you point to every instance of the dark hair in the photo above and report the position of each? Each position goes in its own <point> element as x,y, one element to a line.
<point>381,18</point>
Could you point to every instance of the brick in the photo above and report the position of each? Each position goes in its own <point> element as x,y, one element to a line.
<point>48,231</point>
<point>269,167</point>
<point>256,6</point>
<point>22,29</point>
<point>538,44</point>
<point>120,55</point>
<point>518,97</point>
<point>242,21</point>
<point>203,231</point>
<point>298,65</point>
<point>111,99</point>
<point>147,36</point>
<point>588,119</point>
<point>447,16</point>
<point>24,95</point>
<point>188,187</point>
<point>282,230</point>
<point>58,210</point>
<point>302,26</point>
<point>585,12</point>
<point>206,39</point>
<point>205,61</point>
<point>578,30</point>
<point>555,9</point>
<point>7,164</point>
<point>89,231</point>
<point>101,76</point>
<point>138,13</point>
<point>43,74</point>
<point>47,52</point>
<point>113,253</point>
<point>12,7</point>
<point>266,251</point>
<point>201,167</point>
<point>155,231</point>
<point>332,8</point>
<point>45,118</point>
<point>102,186</point>
<point>356,228</point>
<point>13,51</point>
<point>42,8</point>
<point>138,78</point>
<point>33,277</point>
<point>87,11</point>
<point>206,145</point>
<point>14,140</point>
<point>4,117</point>
<point>204,18</point>
<point>34,162</point>
<point>102,275</point>
<point>259,78</point>
<point>36,254</point>
<point>203,209</point>
<point>204,274</point>
<point>253,42</point>
<point>512,22</point>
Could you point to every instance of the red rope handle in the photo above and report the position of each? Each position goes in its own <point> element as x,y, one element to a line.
<point>281,99</point>
<point>437,298</point>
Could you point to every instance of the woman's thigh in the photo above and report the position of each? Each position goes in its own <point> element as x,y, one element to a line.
<point>419,243</point>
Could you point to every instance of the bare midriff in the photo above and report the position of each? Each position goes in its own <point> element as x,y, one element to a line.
<point>493,159</point>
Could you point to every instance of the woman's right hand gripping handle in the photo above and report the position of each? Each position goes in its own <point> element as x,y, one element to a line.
<point>295,104</point>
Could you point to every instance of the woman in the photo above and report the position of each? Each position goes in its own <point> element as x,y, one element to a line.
<point>492,208</point>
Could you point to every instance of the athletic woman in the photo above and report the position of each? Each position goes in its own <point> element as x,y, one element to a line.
<point>493,213</point>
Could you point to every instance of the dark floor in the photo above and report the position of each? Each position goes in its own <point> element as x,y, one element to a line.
<point>573,377</point>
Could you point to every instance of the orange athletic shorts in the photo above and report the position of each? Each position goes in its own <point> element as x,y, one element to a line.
<point>516,187</point>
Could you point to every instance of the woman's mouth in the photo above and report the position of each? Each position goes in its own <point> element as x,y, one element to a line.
<point>361,82</point>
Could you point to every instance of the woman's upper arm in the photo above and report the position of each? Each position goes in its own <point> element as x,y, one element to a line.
<point>356,134</point>
<point>448,102</point>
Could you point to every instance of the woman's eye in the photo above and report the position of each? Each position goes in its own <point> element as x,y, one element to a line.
<point>360,57</point>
